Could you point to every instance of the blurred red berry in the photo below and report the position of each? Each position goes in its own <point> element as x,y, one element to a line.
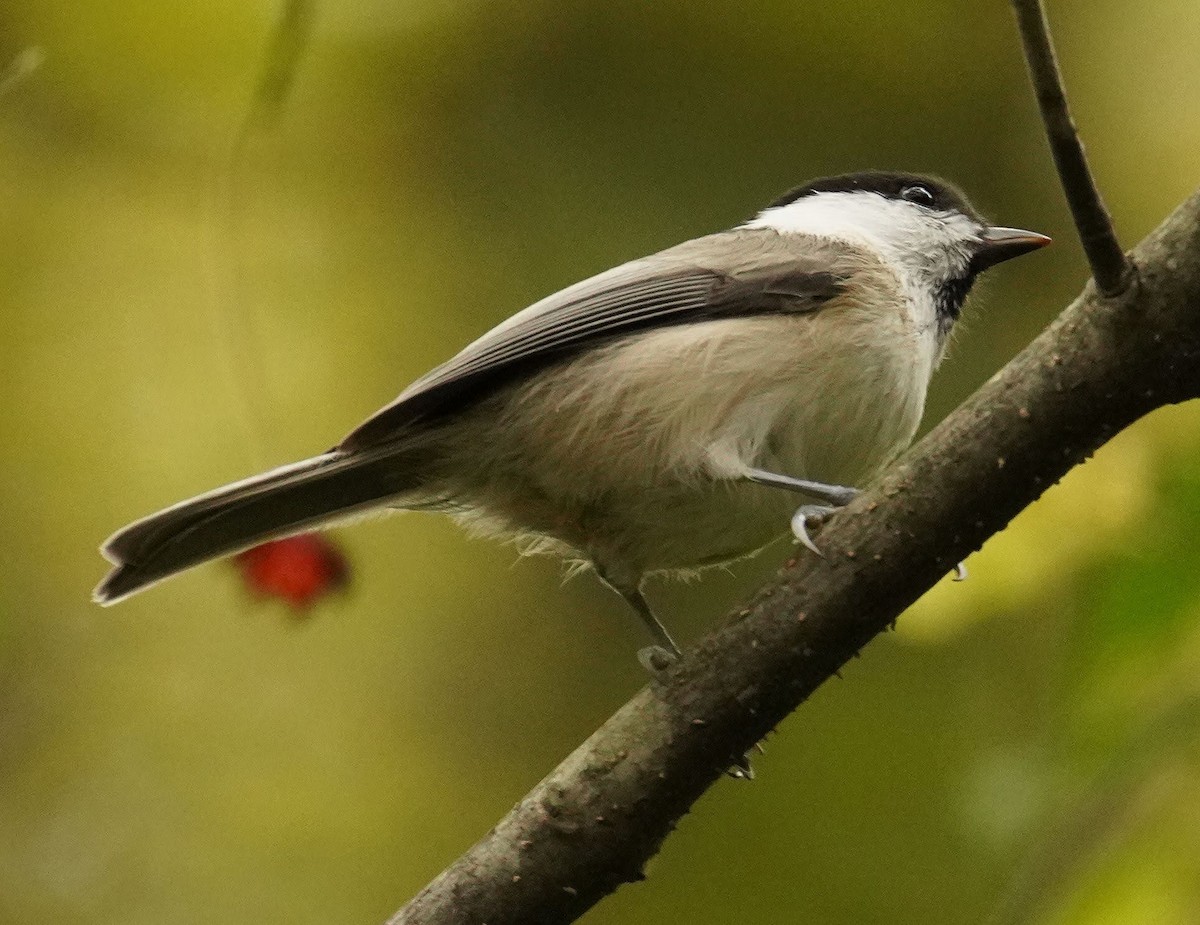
<point>299,570</point>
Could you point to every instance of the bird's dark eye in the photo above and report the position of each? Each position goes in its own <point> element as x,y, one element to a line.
<point>918,194</point>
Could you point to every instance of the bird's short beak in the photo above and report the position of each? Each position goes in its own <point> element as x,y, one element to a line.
<point>998,244</point>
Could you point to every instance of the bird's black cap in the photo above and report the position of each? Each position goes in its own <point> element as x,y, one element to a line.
<point>941,196</point>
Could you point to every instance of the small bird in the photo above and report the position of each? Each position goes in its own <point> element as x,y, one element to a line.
<point>656,418</point>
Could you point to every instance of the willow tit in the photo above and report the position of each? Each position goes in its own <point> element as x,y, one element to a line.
<point>655,418</point>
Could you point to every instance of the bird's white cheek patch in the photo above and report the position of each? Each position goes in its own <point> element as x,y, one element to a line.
<point>905,235</point>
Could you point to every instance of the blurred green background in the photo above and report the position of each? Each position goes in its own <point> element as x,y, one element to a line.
<point>176,314</point>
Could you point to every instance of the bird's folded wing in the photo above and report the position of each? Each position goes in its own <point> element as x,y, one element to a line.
<point>732,274</point>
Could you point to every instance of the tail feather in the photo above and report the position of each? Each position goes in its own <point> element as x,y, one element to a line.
<point>278,503</point>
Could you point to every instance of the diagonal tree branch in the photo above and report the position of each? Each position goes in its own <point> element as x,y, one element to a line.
<point>1109,266</point>
<point>595,820</point>
<point>1119,351</point>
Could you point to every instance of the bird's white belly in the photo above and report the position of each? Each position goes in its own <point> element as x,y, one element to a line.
<point>634,455</point>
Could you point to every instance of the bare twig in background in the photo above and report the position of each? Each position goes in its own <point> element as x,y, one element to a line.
<point>1109,266</point>
<point>239,342</point>
<point>282,61</point>
<point>595,820</point>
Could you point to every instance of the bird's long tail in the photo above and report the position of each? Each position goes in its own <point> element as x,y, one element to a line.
<point>278,503</point>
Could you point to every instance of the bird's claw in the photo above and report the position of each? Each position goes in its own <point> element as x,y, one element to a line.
<point>741,769</point>
<point>805,515</point>
<point>960,572</point>
<point>656,659</point>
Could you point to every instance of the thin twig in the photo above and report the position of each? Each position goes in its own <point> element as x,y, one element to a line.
<point>1110,268</point>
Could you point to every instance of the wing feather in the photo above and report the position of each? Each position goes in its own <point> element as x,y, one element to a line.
<point>737,273</point>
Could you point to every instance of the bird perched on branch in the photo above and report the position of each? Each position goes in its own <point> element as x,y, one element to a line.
<point>656,418</point>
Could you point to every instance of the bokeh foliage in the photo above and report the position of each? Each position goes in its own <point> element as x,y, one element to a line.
<point>179,309</point>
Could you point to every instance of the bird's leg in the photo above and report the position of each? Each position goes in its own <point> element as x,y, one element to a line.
<point>656,658</point>
<point>834,496</point>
